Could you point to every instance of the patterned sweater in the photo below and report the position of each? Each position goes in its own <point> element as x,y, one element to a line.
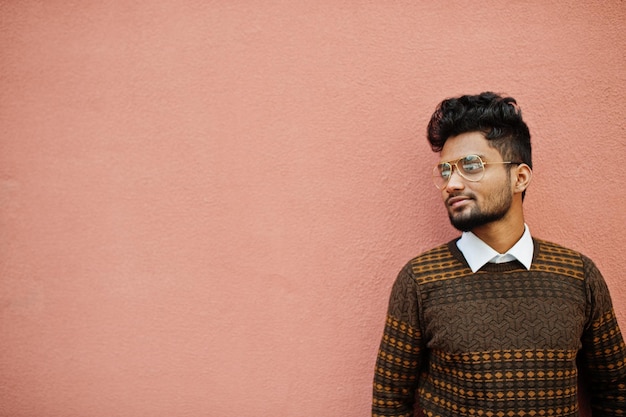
<point>501,342</point>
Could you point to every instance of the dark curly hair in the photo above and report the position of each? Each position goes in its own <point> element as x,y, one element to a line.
<point>498,118</point>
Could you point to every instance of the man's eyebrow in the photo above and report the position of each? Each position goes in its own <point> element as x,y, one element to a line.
<point>481,156</point>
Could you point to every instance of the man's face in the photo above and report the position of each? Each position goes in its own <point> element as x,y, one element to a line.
<point>474,204</point>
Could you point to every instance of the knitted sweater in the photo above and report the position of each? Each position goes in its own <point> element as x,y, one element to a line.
<point>501,342</point>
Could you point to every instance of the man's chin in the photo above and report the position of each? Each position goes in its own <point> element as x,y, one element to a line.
<point>463,227</point>
<point>464,222</point>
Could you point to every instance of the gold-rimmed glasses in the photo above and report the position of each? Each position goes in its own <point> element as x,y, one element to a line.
<point>470,167</point>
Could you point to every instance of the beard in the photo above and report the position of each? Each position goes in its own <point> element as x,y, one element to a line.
<point>497,207</point>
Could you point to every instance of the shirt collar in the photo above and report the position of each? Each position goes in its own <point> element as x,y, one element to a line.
<point>477,253</point>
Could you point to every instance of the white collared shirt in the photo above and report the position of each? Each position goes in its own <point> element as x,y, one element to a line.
<point>477,253</point>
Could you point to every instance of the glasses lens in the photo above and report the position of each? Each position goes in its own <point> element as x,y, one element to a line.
<point>441,174</point>
<point>471,167</point>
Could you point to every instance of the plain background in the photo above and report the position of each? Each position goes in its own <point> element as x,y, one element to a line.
<point>204,204</point>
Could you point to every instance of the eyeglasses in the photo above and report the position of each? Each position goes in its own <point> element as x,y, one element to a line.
<point>470,167</point>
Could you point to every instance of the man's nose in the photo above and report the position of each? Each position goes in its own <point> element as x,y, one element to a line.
<point>456,181</point>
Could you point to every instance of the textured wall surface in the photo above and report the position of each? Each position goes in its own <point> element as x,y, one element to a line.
<point>203,205</point>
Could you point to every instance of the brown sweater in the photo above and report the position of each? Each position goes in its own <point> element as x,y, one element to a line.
<point>501,342</point>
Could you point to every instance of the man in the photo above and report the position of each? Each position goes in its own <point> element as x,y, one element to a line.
<point>495,323</point>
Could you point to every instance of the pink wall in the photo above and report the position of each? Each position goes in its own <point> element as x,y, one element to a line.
<point>203,205</point>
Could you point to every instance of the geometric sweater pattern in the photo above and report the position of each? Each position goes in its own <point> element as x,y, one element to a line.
<point>502,342</point>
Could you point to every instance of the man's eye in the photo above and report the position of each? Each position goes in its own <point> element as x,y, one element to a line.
<point>471,166</point>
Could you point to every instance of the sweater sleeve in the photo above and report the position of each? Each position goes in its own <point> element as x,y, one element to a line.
<point>400,354</point>
<point>603,349</point>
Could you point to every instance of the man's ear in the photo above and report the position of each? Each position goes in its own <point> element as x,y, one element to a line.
<point>523,176</point>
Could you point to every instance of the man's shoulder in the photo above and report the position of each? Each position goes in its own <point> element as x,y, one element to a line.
<point>433,254</point>
<point>440,257</point>
<point>552,255</point>
<point>556,250</point>
<point>546,245</point>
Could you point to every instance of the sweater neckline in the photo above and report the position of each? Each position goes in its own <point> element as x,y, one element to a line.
<point>491,267</point>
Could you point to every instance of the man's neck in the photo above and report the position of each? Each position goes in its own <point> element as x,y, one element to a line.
<point>501,236</point>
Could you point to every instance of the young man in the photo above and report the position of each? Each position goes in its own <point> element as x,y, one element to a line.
<point>496,323</point>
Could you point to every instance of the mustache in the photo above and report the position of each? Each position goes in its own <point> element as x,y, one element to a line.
<point>462,195</point>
